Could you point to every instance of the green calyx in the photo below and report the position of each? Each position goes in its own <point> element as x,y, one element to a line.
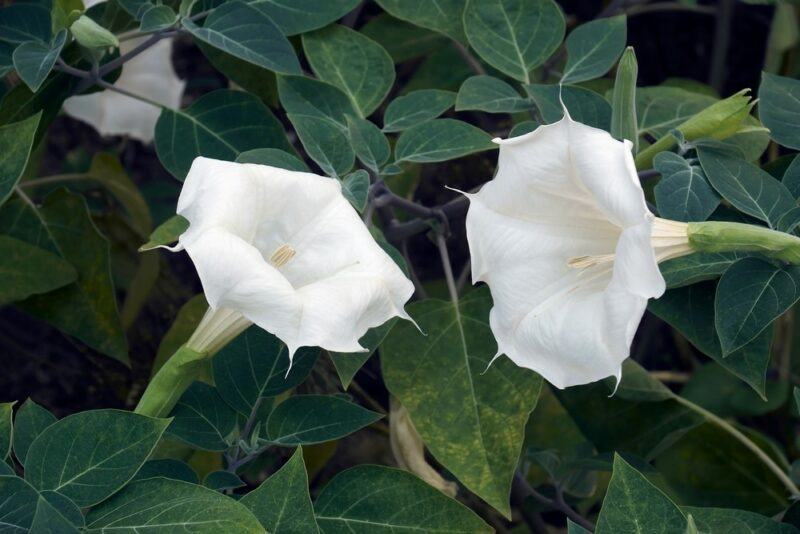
<point>720,236</point>
<point>169,383</point>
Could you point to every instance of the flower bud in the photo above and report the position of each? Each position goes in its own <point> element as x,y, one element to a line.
<point>91,35</point>
<point>623,119</point>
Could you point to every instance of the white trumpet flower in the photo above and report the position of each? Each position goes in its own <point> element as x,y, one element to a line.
<point>284,250</point>
<point>564,239</point>
<point>151,75</point>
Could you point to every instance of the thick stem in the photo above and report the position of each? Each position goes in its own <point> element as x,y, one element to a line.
<point>721,236</point>
<point>169,383</point>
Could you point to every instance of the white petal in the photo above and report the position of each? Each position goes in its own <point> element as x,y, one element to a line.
<point>151,75</point>
<point>336,284</point>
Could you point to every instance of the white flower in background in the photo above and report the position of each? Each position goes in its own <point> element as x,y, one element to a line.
<point>286,251</point>
<point>151,75</point>
<point>563,237</point>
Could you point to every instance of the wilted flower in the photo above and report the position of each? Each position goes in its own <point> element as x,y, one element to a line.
<point>286,251</point>
<point>150,74</point>
<point>570,251</point>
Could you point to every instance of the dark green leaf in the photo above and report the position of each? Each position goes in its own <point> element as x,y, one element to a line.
<point>355,188</point>
<point>744,185</point>
<point>90,455</point>
<point>18,502</point>
<point>167,233</point>
<point>739,521</point>
<point>402,40</point>
<point>371,498</point>
<point>514,36</point>
<point>691,310</point>
<point>159,504</point>
<point>16,143</point>
<point>6,429</point>
<point>22,22</point>
<point>86,309</point>
<point>306,96</point>
<point>293,17</point>
<point>219,125</point>
<point>34,60</point>
<point>202,419</point>
<point>683,193</point>
<point>470,415</point>
<point>688,270</point>
<point>751,295</point>
<point>354,63</point>
<point>109,172</point>
<point>441,140</point>
<point>26,270</point>
<point>791,178</point>
<point>273,157</point>
<point>779,108</point>
<point>369,143</point>
<point>246,32</point>
<point>325,143</point>
<point>444,16</point>
<point>135,8</point>
<point>282,503</point>
<point>167,468</point>
<point>584,105</point>
<point>158,18</point>
<point>633,504</point>
<point>307,419</point>
<point>6,62</point>
<point>255,365</point>
<point>68,509</point>
<point>416,107</point>
<point>490,94</point>
<point>348,364</point>
<point>222,480</point>
<point>47,519</point>
<point>593,48</point>
<point>523,128</point>
<point>31,420</point>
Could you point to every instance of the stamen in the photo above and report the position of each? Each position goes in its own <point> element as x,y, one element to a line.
<point>282,255</point>
<point>582,262</point>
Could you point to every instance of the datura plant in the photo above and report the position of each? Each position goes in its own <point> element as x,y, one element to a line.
<point>464,266</point>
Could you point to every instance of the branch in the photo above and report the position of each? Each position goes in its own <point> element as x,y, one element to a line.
<point>521,487</point>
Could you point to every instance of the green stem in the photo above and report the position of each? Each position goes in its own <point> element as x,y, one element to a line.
<point>169,383</point>
<point>720,236</point>
<point>747,442</point>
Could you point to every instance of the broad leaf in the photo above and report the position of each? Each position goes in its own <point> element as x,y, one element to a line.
<point>490,94</point>
<point>167,468</point>
<point>158,18</point>
<point>325,143</point>
<point>739,521</point>
<point>348,364</point>
<point>416,107</point>
<point>593,48</point>
<point>691,310</point>
<point>751,295</point>
<point>31,420</point>
<point>27,21</point>
<point>159,504</point>
<point>90,455</point>
<point>355,188</point>
<point>18,502</point>
<point>746,186</point>
<point>779,108</point>
<point>441,140</point>
<point>584,105</point>
<point>34,60</point>
<point>368,142</point>
<point>791,177</point>
<point>167,233</point>
<point>202,419</point>
<point>223,480</point>
<point>245,32</point>
<point>86,309</point>
<point>26,270</point>
<point>299,17</point>
<point>219,125</point>
<point>470,415</point>
<point>282,502</point>
<point>371,498</point>
<point>6,429</point>
<point>274,158</point>
<point>307,419</point>
<point>309,97</point>
<point>688,270</point>
<point>402,40</point>
<point>255,365</point>
<point>683,193</point>
<point>109,172</point>
<point>16,143</point>
<point>48,518</point>
<point>354,63</point>
<point>514,36</point>
<point>444,16</point>
<point>633,504</point>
